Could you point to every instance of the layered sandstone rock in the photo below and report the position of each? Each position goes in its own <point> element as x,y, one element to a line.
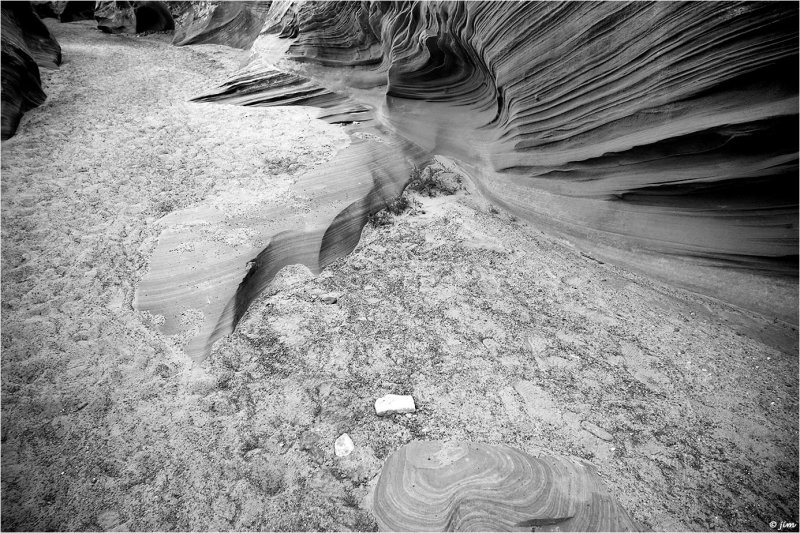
<point>133,17</point>
<point>623,114</point>
<point>649,131</point>
<point>234,24</point>
<point>26,45</point>
<point>465,486</point>
<point>115,17</point>
<point>659,135</point>
<point>200,267</point>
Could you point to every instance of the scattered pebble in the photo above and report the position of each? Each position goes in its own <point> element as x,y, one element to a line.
<point>491,344</point>
<point>597,431</point>
<point>108,519</point>
<point>329,298</point>
<point>343,445</point>
<point>394,404</point>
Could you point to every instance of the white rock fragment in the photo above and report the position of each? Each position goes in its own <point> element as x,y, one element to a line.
<point>108,519</point>
<point>329,298</point>
<point>394,404</point>
<point>597,431</point>
<point>343,445</point>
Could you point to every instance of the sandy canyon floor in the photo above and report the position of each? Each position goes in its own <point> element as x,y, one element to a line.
<point>501,333</point>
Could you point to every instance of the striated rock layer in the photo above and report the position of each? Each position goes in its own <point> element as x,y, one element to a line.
<point>115,17</point>
<point>26,45</point>
<point>203,277</point>
<point>662,134</point>
<point>464,486</point>
<point>234,24</point>
<point>659,135</point>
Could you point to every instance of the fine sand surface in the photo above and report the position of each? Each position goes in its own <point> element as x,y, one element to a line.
<point>501,333</point>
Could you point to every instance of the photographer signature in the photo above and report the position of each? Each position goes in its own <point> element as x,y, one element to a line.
<point>783,526</point>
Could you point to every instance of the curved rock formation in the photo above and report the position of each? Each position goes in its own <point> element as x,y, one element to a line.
<point>463,486</point>
<point>40,43</point>
<point>650,132</point>
<point>265,86</point>
<point>201,268</point>
<point>26,45</point>
<point>133,17</point>
<point>662,136</point>
<point>115,17</point>
<point>235,24</point>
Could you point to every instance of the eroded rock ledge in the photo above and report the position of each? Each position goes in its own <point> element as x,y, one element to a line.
<point>662,136</point>
<point>652,130</point>
<point>235,24</point>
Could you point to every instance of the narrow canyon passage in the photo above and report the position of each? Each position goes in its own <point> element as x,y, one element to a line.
<point>502,334</point>
<point>114,149</point>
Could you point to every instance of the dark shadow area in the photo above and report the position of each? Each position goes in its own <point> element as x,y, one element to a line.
<point>77,11</point>
<point>44,10</point>
<point>153,16</point>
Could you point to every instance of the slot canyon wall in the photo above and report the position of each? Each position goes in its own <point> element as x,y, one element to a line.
<point>660,136</point>
<point>663,135</point>
<point>27,44</point>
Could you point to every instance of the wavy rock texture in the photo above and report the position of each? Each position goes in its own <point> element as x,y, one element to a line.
<point>234,24</point>
<point>660,135</point>
<point>659,130</point>
<point>115,17</point>
<point>265,86</point>
<point>133,17</point>
<point>26,45</point>
<point>203,274</point>
<point>463,486</point>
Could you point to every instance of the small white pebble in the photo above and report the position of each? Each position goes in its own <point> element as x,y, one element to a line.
<point>343,445</point>
<point>330,298</point>
<point>394,404</point>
